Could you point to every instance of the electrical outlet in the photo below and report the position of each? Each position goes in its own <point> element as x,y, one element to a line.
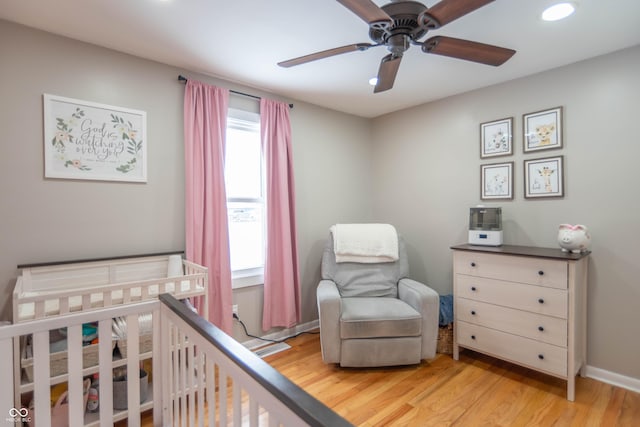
<point>234,309</point>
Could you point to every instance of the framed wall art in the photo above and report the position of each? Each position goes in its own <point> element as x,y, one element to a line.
<point>544,177</point>
<point>87,140</point>
<point>496,181</point>
<point>496,138</point>
<point>542,130</point>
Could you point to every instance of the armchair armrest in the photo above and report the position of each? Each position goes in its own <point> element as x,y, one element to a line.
<point>426,302</point>
<point>329,311</point>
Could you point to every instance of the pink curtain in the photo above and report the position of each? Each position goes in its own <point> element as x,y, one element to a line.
<point>281,277</point>
<point>207,233</point>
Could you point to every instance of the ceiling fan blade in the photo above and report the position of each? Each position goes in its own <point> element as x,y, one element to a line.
<point>467,50</point>
<point>367,10</point>
<point>450,10</point>
<point>325,54</point>
<point>387,72</point>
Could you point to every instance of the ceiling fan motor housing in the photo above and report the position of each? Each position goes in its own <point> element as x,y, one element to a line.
<point>410,22</point>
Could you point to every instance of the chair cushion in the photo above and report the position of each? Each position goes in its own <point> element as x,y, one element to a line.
<point>365,280</point>
<point>378,317</point>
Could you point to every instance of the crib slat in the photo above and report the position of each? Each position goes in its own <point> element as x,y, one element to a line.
<point>201,386</point>
<point>64,305</point>
<point>253,411</point>
<point>107,299</point>
<point>75,385</point>
<point>6,371</point>
<point>183,379</point>
<point>211,390</point>
<point>237,404</point>
<point>126,295</point>
<point>222,395</point>
<point>41,374</point>
<point>39,309</point>
<point>175,382</point>
<point>190,383</point>
<point>105,359</point>
<point>158,381</point>
<point>133,370</point>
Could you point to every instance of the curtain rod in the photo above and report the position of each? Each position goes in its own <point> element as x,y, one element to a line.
<point>182,78</point>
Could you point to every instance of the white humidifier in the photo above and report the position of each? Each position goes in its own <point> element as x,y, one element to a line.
<point>485,226</point>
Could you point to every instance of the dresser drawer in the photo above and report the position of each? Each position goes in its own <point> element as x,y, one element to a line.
<point>539,327</point>
<point>536,299</point>
<point>524,351</point>
<point>535,271</point>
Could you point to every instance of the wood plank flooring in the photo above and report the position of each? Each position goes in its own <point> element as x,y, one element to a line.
<point>477,390</point>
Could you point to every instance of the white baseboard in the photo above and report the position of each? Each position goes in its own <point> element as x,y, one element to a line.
<point>613,378</point>
<point>282,334</point>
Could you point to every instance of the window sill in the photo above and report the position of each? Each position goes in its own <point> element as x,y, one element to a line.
<point>247,281</point>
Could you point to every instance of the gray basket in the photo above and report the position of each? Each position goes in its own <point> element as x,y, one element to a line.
<point>120,390</point>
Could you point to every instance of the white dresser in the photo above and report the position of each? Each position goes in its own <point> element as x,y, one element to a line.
<point>526,305</point>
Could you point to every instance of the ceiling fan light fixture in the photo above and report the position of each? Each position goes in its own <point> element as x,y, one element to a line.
<point>558,11</point>
<point>373,81</point>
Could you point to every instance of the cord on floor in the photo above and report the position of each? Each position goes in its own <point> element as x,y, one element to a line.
<point>235,316</point>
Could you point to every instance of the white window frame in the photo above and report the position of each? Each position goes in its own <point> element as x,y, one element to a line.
<point>251,276</point>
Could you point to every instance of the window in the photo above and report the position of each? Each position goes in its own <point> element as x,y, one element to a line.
<point>244,180</point>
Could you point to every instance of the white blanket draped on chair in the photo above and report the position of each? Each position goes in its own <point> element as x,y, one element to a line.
<point>365,243</point>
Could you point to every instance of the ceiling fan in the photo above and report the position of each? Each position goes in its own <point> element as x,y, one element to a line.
<point>399,24</point>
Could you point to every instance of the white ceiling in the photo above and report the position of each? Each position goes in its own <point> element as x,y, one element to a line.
<point>242,40</point>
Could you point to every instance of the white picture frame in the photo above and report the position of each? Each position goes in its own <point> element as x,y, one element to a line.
<point>496,138</point>
<point>91,141</point>
<point>542,130</point>
<point>544,178</point>
<point>496,181</point>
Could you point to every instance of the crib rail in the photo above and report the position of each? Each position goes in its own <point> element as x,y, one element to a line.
<point>41,305</point>
<point>241,389</point>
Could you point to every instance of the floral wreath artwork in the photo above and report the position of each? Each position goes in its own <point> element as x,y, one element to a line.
<point>86,140</point>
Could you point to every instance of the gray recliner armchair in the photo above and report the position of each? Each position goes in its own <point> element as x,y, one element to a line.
<point>373,315</point>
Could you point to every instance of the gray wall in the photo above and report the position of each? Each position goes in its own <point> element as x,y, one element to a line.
<point>52,220</point>
<point>431,153</point>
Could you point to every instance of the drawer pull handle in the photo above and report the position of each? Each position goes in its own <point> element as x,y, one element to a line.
<point>473,264</point>
<point>473,312</point>
<point>473,337</point>
<point>541,328</point>
<point>541,356</point>
<point>541,301</point>
<point>541,273</point>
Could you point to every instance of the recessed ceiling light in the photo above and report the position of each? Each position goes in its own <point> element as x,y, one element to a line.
<point>558,11</point>
<point>373,81</point>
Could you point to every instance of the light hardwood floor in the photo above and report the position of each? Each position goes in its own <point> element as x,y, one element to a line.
<point>477,390</point>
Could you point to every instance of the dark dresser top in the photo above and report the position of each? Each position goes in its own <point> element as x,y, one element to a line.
<point>533,251</point>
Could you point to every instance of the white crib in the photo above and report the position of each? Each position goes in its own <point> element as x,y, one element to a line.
<point>53,290</point>
<point>201,375</point>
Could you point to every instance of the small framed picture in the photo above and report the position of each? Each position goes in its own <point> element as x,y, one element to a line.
<point>496,181</point>
<point>495,138</point>
<point>544,177</point>
<point>542,130</point>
